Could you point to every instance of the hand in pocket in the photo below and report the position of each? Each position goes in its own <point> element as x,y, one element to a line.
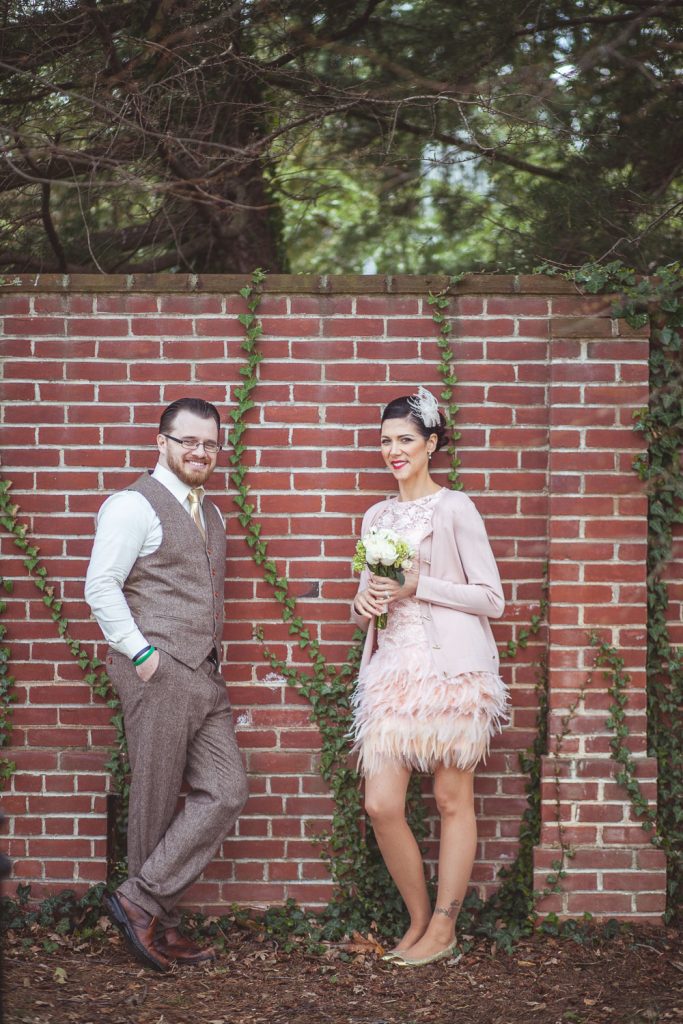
<point>148,668</point>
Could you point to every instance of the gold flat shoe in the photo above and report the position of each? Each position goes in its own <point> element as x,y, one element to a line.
<point>393,954</point>
<point>443,954</point>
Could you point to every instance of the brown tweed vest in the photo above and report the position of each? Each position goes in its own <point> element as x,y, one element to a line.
<point>176,594</point>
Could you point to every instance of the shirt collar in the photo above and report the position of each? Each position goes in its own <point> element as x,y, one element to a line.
<point>172,483</point>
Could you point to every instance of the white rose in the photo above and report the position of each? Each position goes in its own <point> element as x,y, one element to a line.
<point>387,553</point>
<point>380,547</point>
<point>373,545</point>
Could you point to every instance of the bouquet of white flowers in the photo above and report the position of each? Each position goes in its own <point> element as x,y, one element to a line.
<point>385,554</point>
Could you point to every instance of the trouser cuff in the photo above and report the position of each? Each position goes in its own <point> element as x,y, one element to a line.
<point>133,891</point>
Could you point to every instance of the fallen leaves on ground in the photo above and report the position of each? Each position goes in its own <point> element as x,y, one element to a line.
<point>635,978</point>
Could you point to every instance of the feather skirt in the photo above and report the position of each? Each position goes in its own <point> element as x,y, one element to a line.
<point>405,714</point>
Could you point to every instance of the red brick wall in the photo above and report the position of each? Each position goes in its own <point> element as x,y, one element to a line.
<point>547,386</point>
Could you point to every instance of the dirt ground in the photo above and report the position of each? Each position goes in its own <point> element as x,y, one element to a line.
<point>636,978</point>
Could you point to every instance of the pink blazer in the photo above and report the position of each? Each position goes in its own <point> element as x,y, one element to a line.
<point>459,588</point>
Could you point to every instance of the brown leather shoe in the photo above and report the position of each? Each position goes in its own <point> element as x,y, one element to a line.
<point>177,948</point>
<point>138,929</point>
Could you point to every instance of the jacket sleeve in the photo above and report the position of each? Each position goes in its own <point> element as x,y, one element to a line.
<point>482,594</point>
<point>361,621</point>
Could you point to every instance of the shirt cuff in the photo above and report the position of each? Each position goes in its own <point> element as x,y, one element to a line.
<point>132,644</point>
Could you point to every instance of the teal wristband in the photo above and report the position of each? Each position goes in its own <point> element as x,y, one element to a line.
<point>145,656</point>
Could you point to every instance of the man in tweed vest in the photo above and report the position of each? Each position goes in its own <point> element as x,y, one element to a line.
<point>155,586</point>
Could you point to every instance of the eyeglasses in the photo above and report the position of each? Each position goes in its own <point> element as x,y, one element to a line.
<point>190,443</point>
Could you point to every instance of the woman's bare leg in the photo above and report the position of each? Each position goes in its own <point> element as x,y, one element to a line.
<point>454,795</point>
<point>385,802</point>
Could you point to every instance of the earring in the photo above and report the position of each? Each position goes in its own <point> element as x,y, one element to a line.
<point>430,456</point>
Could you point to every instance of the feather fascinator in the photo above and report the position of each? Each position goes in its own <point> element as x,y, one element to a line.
<point>424,405</point>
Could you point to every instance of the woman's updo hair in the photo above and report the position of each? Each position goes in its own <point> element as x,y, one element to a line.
<point>401,409</point>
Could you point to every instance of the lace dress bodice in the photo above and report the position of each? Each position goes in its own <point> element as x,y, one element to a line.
<point>411,520</point>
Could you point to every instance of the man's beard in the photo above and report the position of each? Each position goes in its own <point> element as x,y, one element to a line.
<point>193,476</point>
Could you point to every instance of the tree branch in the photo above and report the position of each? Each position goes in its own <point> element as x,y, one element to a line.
<point>595,19</point>
<point>50,231</point>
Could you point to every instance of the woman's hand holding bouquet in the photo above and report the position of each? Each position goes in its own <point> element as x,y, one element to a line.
<point>390,561</point>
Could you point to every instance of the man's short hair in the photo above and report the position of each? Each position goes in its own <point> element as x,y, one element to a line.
<point>205,410</point>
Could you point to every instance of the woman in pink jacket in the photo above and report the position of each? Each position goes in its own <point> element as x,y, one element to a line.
<point>429,697</point>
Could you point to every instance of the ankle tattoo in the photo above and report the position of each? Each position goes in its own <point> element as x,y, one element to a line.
<point>451,910</point>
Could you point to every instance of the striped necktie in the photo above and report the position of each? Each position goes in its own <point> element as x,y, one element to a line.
<point>195,498</point>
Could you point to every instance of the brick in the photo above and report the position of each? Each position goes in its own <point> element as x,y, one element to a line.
<point>626,881</point>
<point>58,847</point>
<point>616,394</point>
<point>603,904</point>
<point>100,327</point>
<point>110,370</point>
<point>33,370</point>
<point>515,395</point>
<point>617,350</point>
<point>620,835</point>
<point>376,304</point>
<point>125,304</point>
<point>323,349</point>
<point>34,326</point>
<point>651,902</point>
<point>18,304</point>
<point>517,305</point>
<point>92,873</point>
<point>122,348</point>
<point>16,347</point>
<point>650,859</point>
<point>601,812</point>
<point>355,327</point>
<point>581,327</point>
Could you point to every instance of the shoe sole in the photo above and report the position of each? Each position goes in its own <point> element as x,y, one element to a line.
<point>206,956</point>
<point>192,961</point>
<point>118,918</point>
<point>445,954</point>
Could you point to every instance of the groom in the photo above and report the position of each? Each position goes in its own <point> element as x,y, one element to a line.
<point>155,586</point>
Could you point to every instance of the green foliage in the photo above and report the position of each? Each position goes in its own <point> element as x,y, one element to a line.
<point>63,913</point>
<point>377,136</point>
<point>7,767</point>
<point>440,304</point>
<point>509,912</point>
<point>659,298</point>
<point>91,667</point>
<point>291,927</point>
<point>542,146</point>
<point>608,658</point>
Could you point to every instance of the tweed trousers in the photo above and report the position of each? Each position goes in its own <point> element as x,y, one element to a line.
<point>178,727</point>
